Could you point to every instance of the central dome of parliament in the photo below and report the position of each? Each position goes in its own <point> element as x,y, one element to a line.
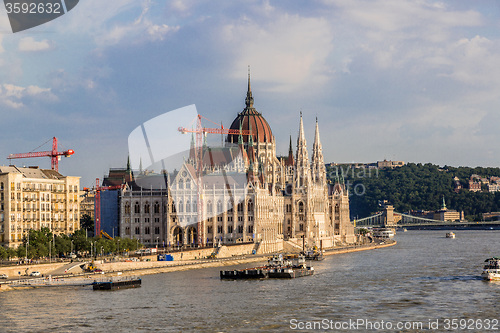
<point>251,120</point>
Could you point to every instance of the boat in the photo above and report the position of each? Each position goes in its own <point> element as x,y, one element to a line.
<point>278,267</point>
<point>491,271</point>
<point>383,233</point>
<point>313,255</point>
<point>115,283</point>
<point>290,267</point>
<point>450,234</point>
<point>245,274</point>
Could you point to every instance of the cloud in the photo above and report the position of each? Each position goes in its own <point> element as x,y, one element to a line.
<point>29,44</point>
<point>14,96</point>
<point>288,51</point>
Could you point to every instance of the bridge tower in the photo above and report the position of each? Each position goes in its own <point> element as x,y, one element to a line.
<point>388,217</point>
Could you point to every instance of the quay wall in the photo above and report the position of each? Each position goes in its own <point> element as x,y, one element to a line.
<point>13,271</point>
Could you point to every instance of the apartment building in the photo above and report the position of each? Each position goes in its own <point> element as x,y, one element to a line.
<point>33,198</point>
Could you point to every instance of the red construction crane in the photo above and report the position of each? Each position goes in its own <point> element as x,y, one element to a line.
<point>54,155</point>
<point>97,204</point>
<point>200,131</point>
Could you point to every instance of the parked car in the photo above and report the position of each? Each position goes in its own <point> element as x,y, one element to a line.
<point>3,276</point>
<point>35,273</point>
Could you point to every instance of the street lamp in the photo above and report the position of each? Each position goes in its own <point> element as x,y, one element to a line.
<point>71,247</point>
<point>91,246</point>
<point>118,247</point>
<point>157,243</point>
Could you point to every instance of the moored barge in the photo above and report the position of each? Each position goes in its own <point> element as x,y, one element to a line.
<point>115,284</point>
<point>278,267</point>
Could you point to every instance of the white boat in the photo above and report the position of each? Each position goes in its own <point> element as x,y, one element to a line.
<point>450,234</point>
<point>383,233</point>
<point>491,270</point>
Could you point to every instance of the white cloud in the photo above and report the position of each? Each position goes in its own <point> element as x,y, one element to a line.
<point>158,32</point>
<point>13,96</point>
<point>29,44</point>
<point>288,51</point>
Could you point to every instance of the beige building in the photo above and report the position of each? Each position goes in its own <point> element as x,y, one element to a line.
<point>247,194</point>
<point>87,202</point>
<point>445,214</point>
<point>389,164</point>
<point>33,198</point>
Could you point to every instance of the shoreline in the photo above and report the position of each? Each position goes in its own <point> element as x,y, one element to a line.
<point>167,267</point>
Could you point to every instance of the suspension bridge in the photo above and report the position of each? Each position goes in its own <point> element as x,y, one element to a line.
<point>388,218</point>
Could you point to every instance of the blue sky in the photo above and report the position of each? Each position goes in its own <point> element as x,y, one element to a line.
<point>417,81</point>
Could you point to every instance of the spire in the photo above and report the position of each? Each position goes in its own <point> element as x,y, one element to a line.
<point>128,163</point>
<point>302,174</point>
<point>318,169</point>
<point>249,99</point>
<point>301,137</point>
<point>444,204</point>
<point>289,160</point>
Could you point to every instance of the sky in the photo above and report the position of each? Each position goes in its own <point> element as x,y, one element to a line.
<point>417,81</point>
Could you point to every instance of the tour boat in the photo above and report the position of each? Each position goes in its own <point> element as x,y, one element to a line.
<point>491,270</point>
<point>450,234</point>
<point>383,233</point>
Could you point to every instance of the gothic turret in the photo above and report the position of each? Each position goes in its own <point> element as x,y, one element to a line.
<point>318,170</point>
<point>302,175</point>
<point>289,160</point>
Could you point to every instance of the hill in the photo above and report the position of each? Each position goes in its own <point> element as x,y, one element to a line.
<point>417,187</point>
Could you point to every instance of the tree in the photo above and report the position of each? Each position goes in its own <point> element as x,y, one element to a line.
<point>80,241</point>
<point>87,223</point>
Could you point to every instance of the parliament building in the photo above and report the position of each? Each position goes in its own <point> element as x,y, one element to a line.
<point>245,194</point>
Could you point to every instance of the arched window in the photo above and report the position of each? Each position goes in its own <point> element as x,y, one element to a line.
<point>146,208</point>
<point>188,206</point>
<point>137,207</point>
<point>337,209</point>
<point>250,206</point>
<point>301,227</point>
<point>301,207</point>
<point>240,207</point>
<point>195,206</point>
<point>181,206</point>
<point>157,207</point>
<point>181,184</point>
<point>188,183</point>
<point>219,207</point>
<point>209,206</point>
<point>127,208</point>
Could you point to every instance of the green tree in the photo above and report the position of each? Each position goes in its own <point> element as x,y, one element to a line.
<point>86,222</point>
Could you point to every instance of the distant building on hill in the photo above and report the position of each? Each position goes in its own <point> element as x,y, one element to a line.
<point>389,164</point>
<point>445,214</point>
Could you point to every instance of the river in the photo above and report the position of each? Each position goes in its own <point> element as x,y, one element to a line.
<point>426,280</point>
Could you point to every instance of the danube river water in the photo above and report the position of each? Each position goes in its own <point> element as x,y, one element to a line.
<point>425,283</point>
